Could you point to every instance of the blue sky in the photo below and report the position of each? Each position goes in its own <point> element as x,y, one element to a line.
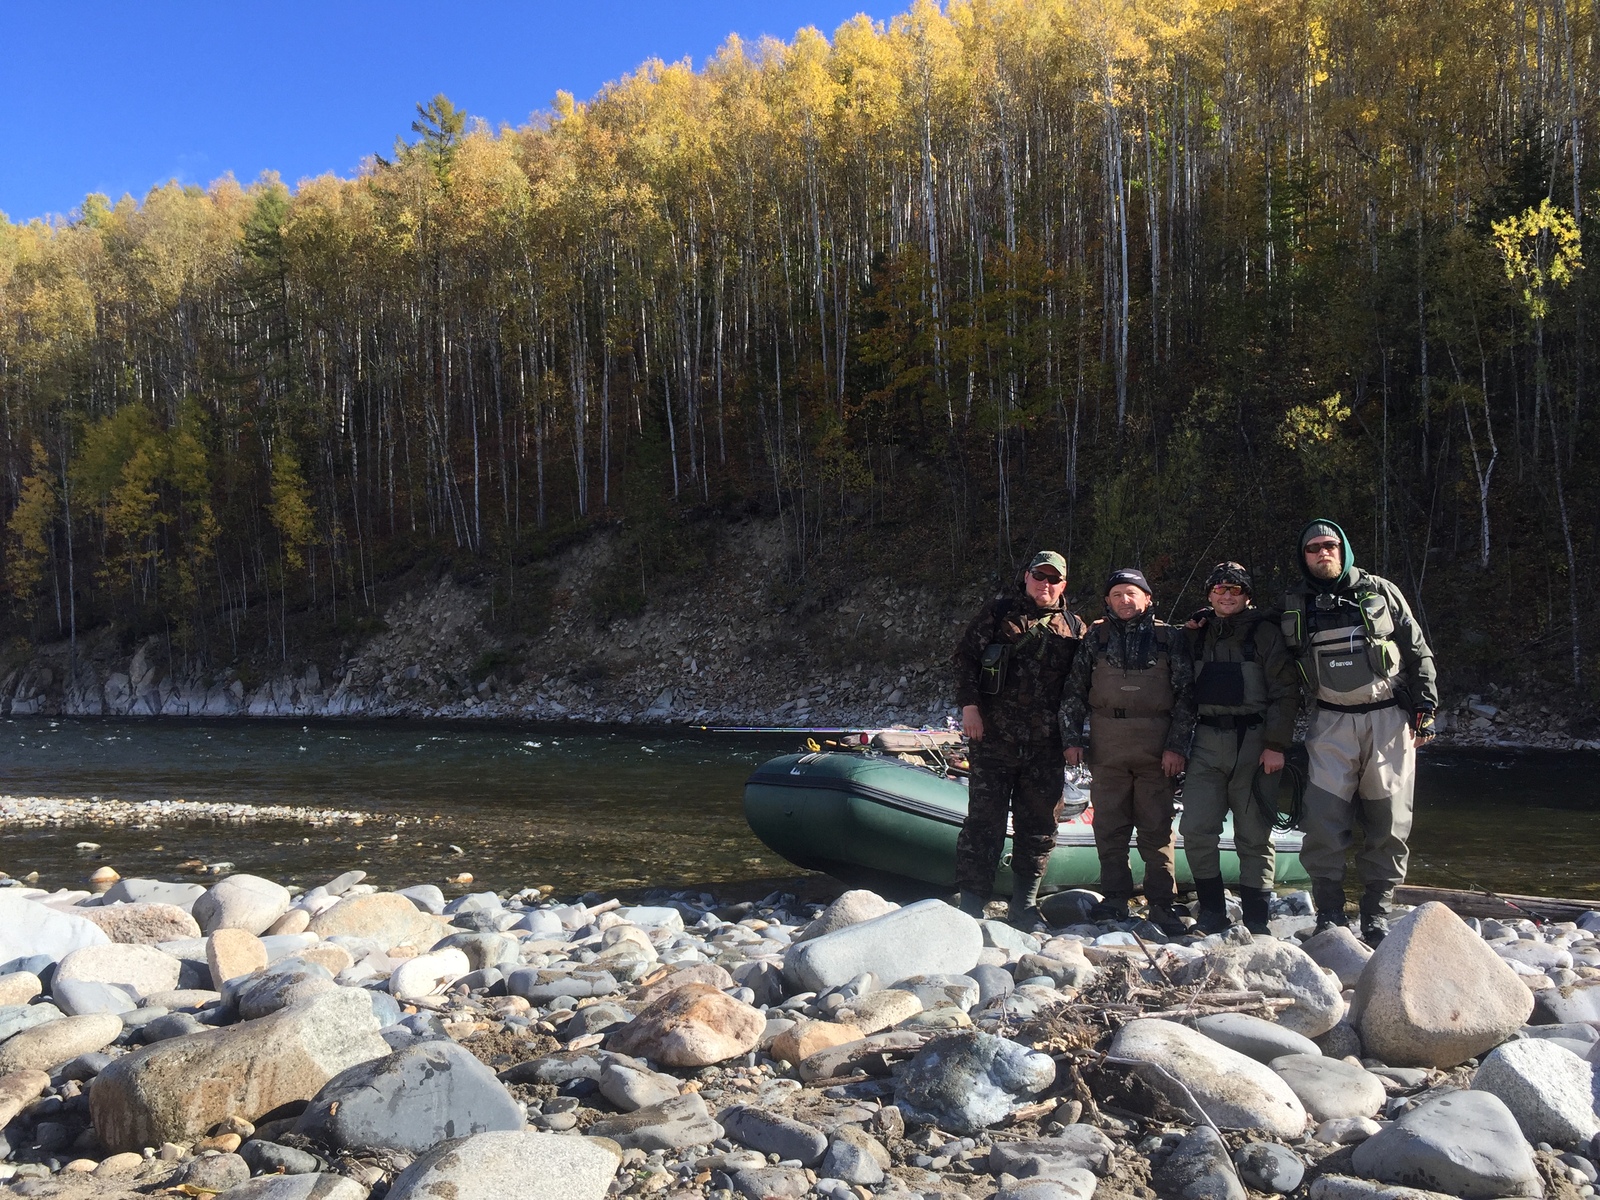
<point>118,97</point>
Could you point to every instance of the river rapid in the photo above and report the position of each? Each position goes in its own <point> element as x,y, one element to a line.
<point>579,808</point>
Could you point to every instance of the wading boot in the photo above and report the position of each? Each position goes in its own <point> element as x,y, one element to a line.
<point>973,904</point>
<point>1328,897</point>
<point>1375,915</point>
<point>1211,905</point>
<point>1111,909</point>
<point>1024,912</point>
<point>1255,903</point>
<point>1168,918</point>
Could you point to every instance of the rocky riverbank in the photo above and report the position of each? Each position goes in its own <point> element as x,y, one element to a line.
<point>345,1042</point>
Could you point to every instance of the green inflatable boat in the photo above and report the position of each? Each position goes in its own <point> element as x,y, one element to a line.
<point>859,814</point>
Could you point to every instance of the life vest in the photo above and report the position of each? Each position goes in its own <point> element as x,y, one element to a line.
<point>1234,689</point>
<point>1344,646</point>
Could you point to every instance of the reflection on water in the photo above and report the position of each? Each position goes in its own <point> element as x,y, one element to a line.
<point>580,808</point>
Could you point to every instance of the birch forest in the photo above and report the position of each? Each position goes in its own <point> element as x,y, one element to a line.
<point>1147,281</point>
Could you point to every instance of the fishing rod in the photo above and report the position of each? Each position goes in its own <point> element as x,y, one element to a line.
<point>1536,917</point>
<point>808,729</point>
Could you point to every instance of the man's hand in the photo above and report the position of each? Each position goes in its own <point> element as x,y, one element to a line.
<point>1172,763</point>
<point>972,723</point>
<point>1074,756</point>
<point>1422,726</point>
<point>1272,761</point>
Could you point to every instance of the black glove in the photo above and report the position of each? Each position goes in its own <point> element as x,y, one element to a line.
<point>1422,724</point>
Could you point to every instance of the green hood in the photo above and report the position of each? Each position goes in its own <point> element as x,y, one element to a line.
<point>1346,553</point>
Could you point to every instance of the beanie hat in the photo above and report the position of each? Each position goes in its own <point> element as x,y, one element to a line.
<point>1230,572</point>
<point>1322,527</point>
<point>1127,575</point>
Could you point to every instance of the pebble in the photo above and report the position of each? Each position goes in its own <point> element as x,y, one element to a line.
<point>1269,1167</point>
<point>691,1026</point>
<point>769,1133</point>
<point>246,902</point>
<point>1198,1168</point>
<point>46,1045</point>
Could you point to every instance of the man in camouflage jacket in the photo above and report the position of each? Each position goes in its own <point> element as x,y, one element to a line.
<point>1009,714</point>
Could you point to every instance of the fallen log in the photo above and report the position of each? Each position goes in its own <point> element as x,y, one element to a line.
<point>1500,905</point>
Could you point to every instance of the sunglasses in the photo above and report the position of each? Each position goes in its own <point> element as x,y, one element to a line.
<point>1049,577</point>
<point>1228,589</point>
<point>1321,547</point>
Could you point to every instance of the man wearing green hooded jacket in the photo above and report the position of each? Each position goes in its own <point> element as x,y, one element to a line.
<point>1369,675</point>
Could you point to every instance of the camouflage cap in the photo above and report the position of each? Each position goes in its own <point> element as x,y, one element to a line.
<point>1229,572</point>
<point>1049,558</point>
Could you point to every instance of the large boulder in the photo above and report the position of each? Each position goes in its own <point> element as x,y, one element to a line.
<point>926,938</point>
<point>524,1164</point>
<point>968,1080</point>
<point>177,1090</point>
<point>1463,1144</point>
<point>692,1026</point>
<point>28,929</point>
<point>1235,1092</point>
<point>141,969</point>
<point>144,924</point>
<point>1435,995</point>
<point>1275,969</point>
<point>851,908</point>
<point>387,918</point>
<point>1548,1088</point>
<point>410,1101</point>
<point>246,902</point>
<point>47,1045</point>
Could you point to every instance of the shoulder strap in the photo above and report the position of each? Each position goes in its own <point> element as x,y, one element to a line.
<point>1102,632</point>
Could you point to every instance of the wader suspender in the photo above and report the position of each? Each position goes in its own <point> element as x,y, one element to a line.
<point>1162,645</point>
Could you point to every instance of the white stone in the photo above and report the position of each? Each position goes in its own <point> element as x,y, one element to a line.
<point>926,938</point>
<point>427,974</point>
<point>1234,1091</point>
<point>245,902</point>
<point>851,908</point>
<point>526,1164</point>
<point>1337,949</point>
<point>28,928</point>
<point>139,968</point>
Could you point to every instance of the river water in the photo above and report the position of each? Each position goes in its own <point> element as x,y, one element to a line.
<point>577,808</point>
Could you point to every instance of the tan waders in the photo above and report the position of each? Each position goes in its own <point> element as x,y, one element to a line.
<point>1363,772</point>
<point>1131,716</point>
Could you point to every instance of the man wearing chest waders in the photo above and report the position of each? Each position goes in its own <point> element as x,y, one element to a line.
<point>1011,665</point>
<point>1370,676</point>
<point>1246,692</point>
<point>1133,680</point>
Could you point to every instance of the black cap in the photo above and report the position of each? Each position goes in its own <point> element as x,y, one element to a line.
<point>1128,575</point>
<point>1230,572</point>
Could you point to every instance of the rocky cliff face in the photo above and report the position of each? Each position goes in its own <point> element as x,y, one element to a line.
<point>716,653</point>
